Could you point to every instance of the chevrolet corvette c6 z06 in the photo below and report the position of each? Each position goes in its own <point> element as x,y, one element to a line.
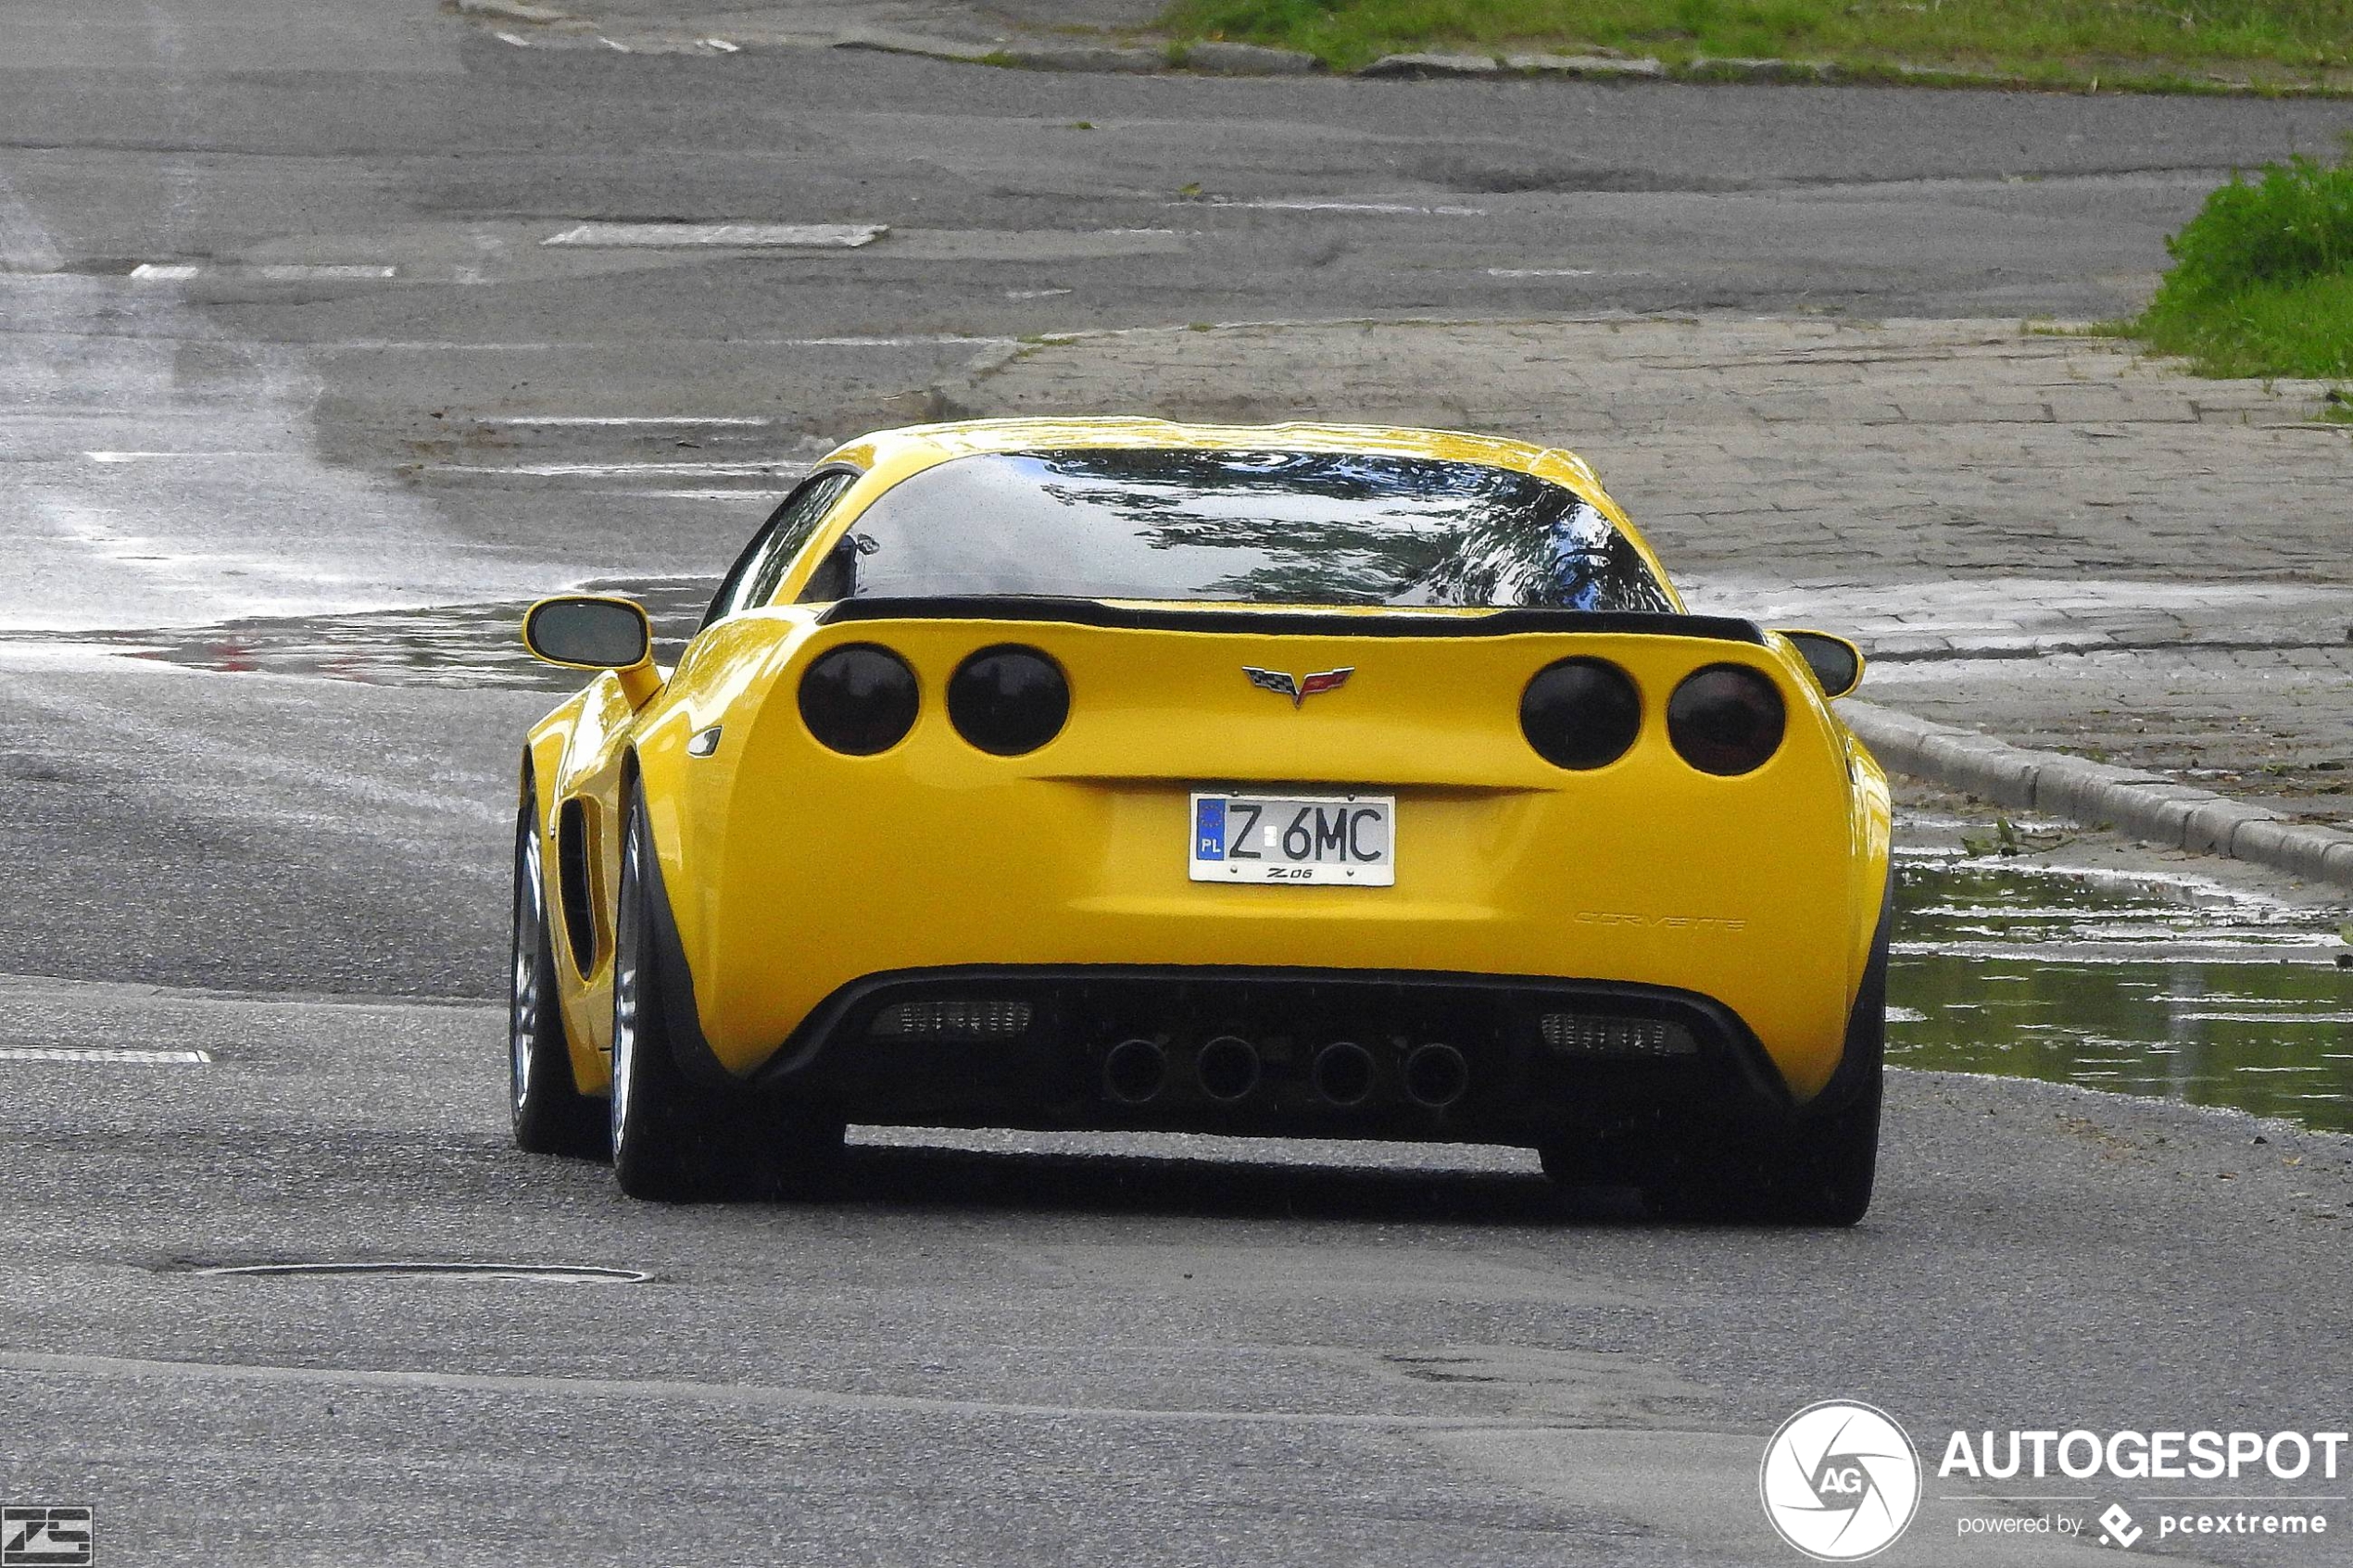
<point>1119,774</point>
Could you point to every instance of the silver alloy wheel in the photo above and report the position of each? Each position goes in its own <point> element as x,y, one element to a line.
<point>530,928</point>
<point>625,981</point>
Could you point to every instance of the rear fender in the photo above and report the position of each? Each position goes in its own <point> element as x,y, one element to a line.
<point>574,756</point>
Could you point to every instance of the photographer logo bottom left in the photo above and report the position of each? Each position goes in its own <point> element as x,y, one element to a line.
<point>46,1535</point>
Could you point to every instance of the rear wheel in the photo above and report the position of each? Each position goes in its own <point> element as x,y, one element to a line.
<point>550,1114</point>
<point>1820,1169</point>
<point>1817,1172</point>
<point>672,1140</point>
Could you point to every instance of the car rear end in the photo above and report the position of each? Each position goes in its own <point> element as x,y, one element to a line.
<point>1507,875</point>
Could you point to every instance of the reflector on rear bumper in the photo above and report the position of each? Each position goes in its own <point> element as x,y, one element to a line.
<point>951,1020</point>
<point>1575,1034</point>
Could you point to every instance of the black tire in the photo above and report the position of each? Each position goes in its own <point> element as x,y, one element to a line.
<point>1590,1160</point>
<point>1817,1172</point>
<point>674,1141</point>
<point>1820,1168</point>
<point>550,1114</point>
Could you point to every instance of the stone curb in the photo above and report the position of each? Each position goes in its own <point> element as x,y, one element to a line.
<point>959,397</point>
<point>1216,57</point>
<point>1095,58</point>
<point>1585,68</point>
<point>1731,69</point>
<point>928,47</point>
<point>1417,65</point>
<point>2147,806</point>
<point>1221,57</point>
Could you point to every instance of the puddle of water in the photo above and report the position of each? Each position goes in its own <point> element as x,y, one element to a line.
<point>2170,987</point>
<point>471,644</point>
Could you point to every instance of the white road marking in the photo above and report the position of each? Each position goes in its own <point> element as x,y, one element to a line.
<point>793,236</point>
<point>1540,271</point>
<point>305,272</point>
<point>688,421</point>
<point>1305,204</point>
<point>1037,246</point>
<point>610,470</point>
<point>275,273</point>
<point>911,340</point>
<point>510,38</point>
<point>947,339</point>
<point>60,1053</point>
<point>173,457</point>
<point>722,46</point>
<point>1033,294</point>
<point>695,495</point>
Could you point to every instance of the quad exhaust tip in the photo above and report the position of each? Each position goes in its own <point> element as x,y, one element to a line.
<point>1342,1074</point>
<point>1226,1068</point>
<point>1135,1070</point>
<point>1436,1076</point>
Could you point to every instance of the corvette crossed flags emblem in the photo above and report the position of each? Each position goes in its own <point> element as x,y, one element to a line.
<point>1299,689</point>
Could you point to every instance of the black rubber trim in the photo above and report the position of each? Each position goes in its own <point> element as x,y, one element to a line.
<point>1289,623</point>
<point>819,1030</point>
<point>688,1046</point>
<point>1866,1049</point>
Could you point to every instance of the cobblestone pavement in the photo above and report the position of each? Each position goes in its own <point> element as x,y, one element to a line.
<point>2041,534</point>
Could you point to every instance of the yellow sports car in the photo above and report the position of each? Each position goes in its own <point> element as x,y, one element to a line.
<point>1296,780</point>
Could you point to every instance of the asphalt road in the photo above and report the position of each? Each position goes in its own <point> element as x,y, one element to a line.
<point>1132,1351</point>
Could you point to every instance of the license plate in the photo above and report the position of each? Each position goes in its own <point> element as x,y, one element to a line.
<point>1348,839</point>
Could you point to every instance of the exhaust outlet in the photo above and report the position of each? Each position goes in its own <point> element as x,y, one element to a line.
<point>1343,1072</point>
<point>1436,1076</point>
<point>1134,1071</point>
<point>1226,1068</point>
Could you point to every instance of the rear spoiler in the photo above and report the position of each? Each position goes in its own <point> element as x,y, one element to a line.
<point>1288,622</point>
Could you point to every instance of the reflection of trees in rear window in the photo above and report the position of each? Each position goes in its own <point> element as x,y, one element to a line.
<point>1252,527</point>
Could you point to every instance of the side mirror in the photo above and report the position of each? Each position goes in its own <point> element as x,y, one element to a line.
<point>590,631</point>
<point>836,575</point>
<point>1837,664</point>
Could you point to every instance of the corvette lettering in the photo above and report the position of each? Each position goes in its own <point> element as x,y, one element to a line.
<point>1671,923</point>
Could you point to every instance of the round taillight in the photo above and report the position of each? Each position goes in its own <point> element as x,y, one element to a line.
<point>1581,712</point>
<point>1008,699</point>
<point>859,698</point>
<point>1726,718</point>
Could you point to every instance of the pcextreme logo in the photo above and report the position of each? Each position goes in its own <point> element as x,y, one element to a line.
<point>1840,1481</point>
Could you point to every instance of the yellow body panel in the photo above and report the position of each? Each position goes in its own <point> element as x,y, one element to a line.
<point>793,869</point>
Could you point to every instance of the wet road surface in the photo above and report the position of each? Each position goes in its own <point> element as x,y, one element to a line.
<point>285,342</point>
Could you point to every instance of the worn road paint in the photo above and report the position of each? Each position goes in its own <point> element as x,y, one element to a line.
<point>134,1057</point>
<point>788,236</point>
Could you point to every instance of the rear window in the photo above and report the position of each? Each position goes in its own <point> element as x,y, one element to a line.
<point>1305,528</point>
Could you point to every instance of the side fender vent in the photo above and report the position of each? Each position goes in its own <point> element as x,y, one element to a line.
<point>573,885</point>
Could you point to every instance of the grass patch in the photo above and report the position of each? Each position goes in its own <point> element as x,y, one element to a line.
<point>2262,278</point>
<point>2057,40</point>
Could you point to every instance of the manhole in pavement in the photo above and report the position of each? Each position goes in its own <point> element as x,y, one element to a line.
<point>556,1273</point>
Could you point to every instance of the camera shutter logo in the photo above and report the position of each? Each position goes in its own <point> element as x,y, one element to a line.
<point>1840,1481</point>
<point>45,1536</point>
